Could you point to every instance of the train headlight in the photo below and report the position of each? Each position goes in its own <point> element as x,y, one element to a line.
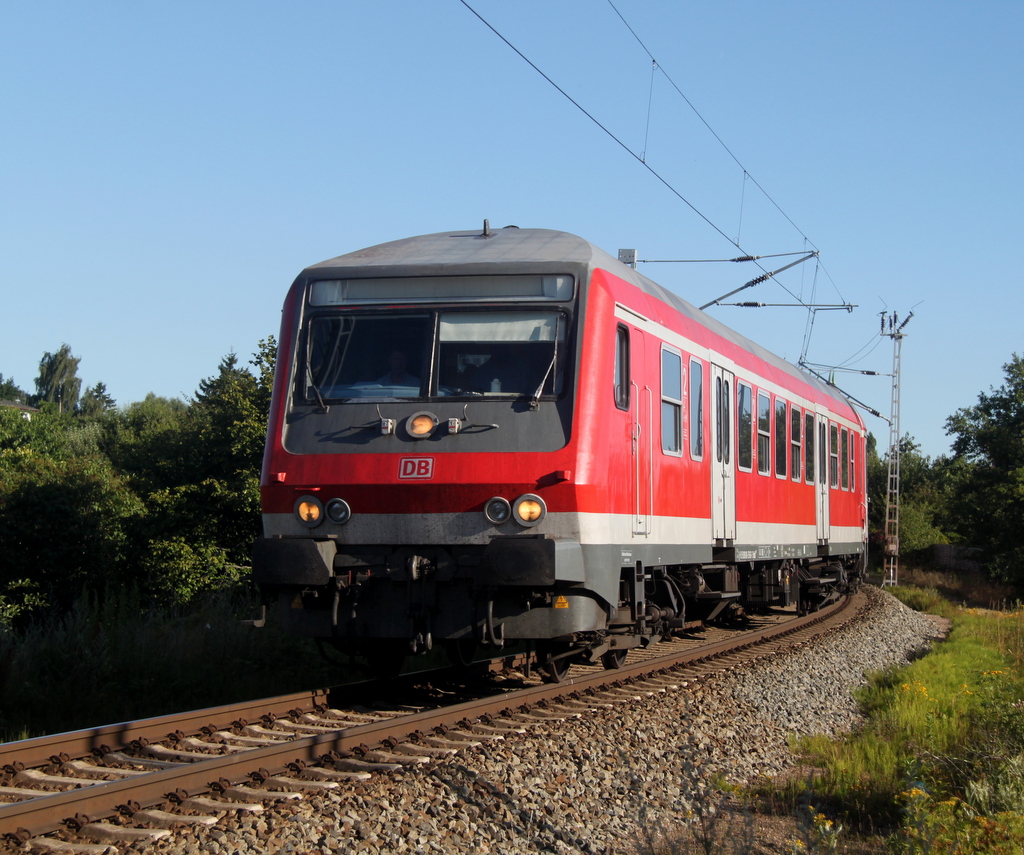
<point>309,511</point>
<point>338,511</point>
<point>529,509</point>
<point>421,425</point>
<point>497,510</point>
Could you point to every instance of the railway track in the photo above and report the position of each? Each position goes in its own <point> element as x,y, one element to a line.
<point>126,783</point>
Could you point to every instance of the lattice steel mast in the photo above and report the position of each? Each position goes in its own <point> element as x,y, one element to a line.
<point>892,499</point>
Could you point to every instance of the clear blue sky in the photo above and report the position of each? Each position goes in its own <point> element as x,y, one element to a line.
<point>166,169</point>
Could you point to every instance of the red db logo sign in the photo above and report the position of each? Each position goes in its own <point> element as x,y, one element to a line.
<point>416,467</point>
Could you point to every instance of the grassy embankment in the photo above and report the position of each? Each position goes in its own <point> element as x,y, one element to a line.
<point>938,766</point>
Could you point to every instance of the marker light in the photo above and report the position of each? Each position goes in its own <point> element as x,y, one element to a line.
<point>309,511</point>
<point>339,511</point>
<point>421,425</point>
<point>497,510</point>
<point>529,509</point>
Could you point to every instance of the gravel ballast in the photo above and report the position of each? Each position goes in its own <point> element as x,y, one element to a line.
<point>601,783</point>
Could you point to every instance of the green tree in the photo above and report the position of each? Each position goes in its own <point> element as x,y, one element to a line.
<point>9,391</point>
<point>923,498</point>
<point>198,472</point>
<point>148,443</point>
<point>58,381</point>
<point>66,524</point>
<point>162,494</point>
<point>45,434</point>
<point>987,473</point>
<point>95,401</point>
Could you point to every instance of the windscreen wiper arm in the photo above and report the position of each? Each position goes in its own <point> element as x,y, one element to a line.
<point>535,400</point>
<point>316,389</point>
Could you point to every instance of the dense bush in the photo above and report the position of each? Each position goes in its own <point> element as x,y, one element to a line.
<point>162,495</point>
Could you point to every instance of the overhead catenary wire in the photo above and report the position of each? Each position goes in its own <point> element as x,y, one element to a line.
<point>704,121</point>
<point>650,101</point>
<point>607,131</point>
<point>767,274</point>
<point>746,174</point>
<point>642,158</point>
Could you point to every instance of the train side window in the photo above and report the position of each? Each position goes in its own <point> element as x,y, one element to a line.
<point>622,368</point>
<point>745,447</point>
<point>780,438</point>
<point>845,459</point>
<point>764,433</point>
<point>794,442</point>
<point>671,401</point>
<point>822,455</point>
<point>809,447</point>
<point>723,422</point>
<point>696,410</point>
<point>833,456</point>
<point>853,453</point>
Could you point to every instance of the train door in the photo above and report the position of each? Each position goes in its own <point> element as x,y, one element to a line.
<point>642,419</point>
<point>821,482</point>
<point>723,467</point>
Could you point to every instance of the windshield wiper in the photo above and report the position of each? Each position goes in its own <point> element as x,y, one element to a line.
<point>535,400</point>
<point>316,389</point>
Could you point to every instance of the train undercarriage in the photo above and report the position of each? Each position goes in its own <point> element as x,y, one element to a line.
<point>387,603</point>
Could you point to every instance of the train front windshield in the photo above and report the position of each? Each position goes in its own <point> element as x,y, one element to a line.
<point>435,354</point>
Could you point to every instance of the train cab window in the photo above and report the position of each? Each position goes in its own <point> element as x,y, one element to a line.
<point>500,353</point>
<point>433,354</point>
<point>745,443</point>
<point>781,444</point>
<point>794,442</point>
<point>833,456</point>
<point>383,356</point>
<point>696,410</point>
<point>622,368</point>
<point>764,433</point>
<point>844,465</point>
<point>671,401</point>
<point>809,447</point>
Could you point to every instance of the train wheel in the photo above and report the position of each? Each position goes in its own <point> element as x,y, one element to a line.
<point>553,664</point>
<point>615,658</point>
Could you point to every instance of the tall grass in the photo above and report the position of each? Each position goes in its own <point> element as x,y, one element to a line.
<point>940,759</point>
<point>968,589</point>
<point>111,659</point>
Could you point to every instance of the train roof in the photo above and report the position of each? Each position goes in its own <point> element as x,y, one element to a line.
<point>530,250</point>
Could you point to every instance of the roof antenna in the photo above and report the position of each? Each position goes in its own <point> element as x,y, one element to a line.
<point>487,229</point>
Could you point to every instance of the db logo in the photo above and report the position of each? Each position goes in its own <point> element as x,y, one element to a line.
<point>416,467</point>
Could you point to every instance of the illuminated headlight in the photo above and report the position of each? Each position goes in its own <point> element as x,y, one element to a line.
<point>421,425</point>
<point>309,511</point>
<point>529,509</point>
<point>497,510</point>
<point>339,511</point>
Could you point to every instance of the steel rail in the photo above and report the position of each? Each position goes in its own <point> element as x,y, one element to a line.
<point>48,813</point>
<point>80,743</point>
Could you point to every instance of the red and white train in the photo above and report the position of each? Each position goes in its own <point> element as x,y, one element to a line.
<point>481,437</point>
